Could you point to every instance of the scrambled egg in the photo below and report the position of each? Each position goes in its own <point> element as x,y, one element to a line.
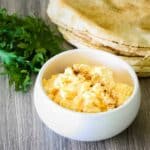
<point>86,88</point>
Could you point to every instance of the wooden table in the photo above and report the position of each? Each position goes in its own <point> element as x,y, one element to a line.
<point>21,128</point>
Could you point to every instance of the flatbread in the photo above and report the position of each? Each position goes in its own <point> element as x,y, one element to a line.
<point>90,41</point>
<point>121,24</point>
<point>143,74</point>
<point>123,49</point>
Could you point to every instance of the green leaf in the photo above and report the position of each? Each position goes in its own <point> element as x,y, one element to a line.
<point>25,44</point>
<point>6,57</point>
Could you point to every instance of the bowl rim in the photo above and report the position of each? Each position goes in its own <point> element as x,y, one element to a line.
<point>130,70</point>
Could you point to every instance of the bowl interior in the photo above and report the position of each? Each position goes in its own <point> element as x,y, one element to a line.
<point>122,72</point>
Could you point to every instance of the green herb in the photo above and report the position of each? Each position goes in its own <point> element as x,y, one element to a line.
<point>25,44</point>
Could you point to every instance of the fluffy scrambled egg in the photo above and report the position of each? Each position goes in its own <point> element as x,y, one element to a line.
<point>86,88</point>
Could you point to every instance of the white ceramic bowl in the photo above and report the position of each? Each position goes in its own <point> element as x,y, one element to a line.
<point>86,126</point>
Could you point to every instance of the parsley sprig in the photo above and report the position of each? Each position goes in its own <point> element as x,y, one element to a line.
<point>25,44</point>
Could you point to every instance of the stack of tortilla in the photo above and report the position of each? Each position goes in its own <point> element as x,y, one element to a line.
<point>121,27</point>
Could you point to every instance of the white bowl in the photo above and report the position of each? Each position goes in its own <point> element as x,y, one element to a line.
<point>86,126</point>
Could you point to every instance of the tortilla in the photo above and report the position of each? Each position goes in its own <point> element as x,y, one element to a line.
<point>89,41</point>
<point>112,23</point>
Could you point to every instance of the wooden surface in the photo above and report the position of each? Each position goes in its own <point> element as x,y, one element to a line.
<point>21,128</point>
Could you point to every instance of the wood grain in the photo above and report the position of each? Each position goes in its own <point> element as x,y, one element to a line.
<point>21,128</point>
